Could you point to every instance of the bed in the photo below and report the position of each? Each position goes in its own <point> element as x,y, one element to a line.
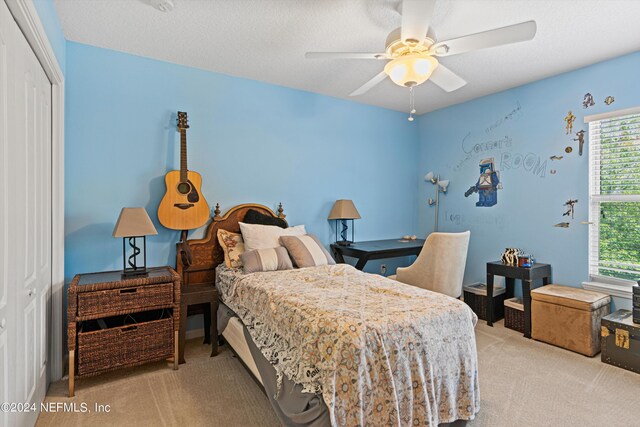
<point>332,345</point>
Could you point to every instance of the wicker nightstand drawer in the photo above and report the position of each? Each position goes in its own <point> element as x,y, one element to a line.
<point>124,299</point>
<point>128,345</point>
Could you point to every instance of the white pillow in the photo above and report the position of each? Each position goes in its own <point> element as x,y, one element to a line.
<point>257,236</point>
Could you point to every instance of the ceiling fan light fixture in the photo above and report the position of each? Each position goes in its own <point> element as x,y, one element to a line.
<point>397,72</point>
<point>410,70</point>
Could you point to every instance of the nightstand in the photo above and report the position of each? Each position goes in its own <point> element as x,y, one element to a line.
<point>116,322</point>
<point>207,294</point>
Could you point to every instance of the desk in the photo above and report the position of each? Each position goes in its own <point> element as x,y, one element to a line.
<point>376,249</point>
<point>527,276</point>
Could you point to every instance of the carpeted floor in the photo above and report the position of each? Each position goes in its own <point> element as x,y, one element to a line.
<point>522,383</point>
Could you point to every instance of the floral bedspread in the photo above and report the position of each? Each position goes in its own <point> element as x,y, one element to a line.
<point>380,352</point>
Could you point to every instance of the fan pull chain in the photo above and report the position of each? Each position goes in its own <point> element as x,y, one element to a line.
<point>412,104</point>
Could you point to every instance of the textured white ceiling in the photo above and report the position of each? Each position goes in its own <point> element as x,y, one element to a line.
<point>266,40</point>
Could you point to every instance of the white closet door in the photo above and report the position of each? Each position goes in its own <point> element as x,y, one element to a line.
<point>6,318</point>
<point>25,194</point>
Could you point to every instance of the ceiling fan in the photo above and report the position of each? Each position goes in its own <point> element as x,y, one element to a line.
<point>412,48</point>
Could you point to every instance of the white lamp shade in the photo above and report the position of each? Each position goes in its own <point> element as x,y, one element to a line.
<point>134,222</point>
<point>429,176</point>
<point>444,184</point>
<point>344,209</point>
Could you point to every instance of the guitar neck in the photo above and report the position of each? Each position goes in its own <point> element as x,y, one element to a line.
<point>183,155</point>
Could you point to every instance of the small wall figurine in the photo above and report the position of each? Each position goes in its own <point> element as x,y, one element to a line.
<point>562,225</point>
<point>569,119</point>
<point>556,157</point>
<point>609,100</point>
<point>570,204</point>
<point>580,139</point>
<point>588,101</point>
<point>487,186</point>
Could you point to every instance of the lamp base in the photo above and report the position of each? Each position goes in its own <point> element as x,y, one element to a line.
<point>135,273</point>
<point>344,243</point>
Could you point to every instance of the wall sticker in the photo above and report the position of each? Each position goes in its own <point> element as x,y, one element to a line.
<point>588,101</point>
<point>530,163</point>
<point>570,204</point>
<point>483,141</point>
<point>556,157</point>
<point>580,139</point>
<point>609,100</point>
<point>487,185</point>
<point>562,225</point>
<point>569,119</point>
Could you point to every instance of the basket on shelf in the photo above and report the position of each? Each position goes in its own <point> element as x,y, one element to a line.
<point>476,297</point>
<point>514,314</point>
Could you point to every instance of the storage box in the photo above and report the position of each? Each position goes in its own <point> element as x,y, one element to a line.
<point>514,314</point>
<point>115,342</point>
<point>621,341</point>
<point>568,317</point>
<point>476,297</point>
<point>636,304</point>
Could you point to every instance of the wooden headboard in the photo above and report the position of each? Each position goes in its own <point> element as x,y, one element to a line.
<point>206,252</point>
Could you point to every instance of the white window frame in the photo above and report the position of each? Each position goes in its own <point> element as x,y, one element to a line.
<point>610,285</point>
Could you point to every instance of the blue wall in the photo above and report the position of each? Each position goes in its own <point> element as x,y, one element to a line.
<point>252,142</point>
<point>522,123</point>
<point>255,142</point>
<point>51,23</point>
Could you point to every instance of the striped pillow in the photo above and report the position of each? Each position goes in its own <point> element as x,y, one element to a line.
<point>306,251</point>
<point>266,260</point>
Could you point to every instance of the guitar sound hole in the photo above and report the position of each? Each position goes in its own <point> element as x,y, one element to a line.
<point>184,188</point>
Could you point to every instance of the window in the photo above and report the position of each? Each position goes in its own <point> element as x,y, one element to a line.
<point>614,193</point>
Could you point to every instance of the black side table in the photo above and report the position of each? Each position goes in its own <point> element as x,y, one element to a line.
<point>528,277</point>
<point>376,249</point>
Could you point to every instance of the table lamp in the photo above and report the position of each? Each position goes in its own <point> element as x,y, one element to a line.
<point>134,223</point>
<point>344,210</point>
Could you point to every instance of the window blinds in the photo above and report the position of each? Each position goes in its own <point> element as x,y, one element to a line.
<point>614,189</point>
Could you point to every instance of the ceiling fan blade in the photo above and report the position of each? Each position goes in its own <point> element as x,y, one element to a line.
<point>416,17</point>
<point>446,79</point>
<point>368,85</point>
<point>344,55</point>
<point>500,36</point>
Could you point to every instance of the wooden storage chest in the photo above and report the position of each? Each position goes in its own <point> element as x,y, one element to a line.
<point>621,341</point>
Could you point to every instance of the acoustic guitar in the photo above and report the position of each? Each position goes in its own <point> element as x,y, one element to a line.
<point>183,206</point>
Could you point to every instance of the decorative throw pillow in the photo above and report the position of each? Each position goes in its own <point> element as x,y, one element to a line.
<point>266,260</point>
<point>257,236</point>
<point>255,217</point>
<point>233,246</point>
<point>306,251</point>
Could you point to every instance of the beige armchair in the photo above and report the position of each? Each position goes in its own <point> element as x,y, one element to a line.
<point>440,265</point>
